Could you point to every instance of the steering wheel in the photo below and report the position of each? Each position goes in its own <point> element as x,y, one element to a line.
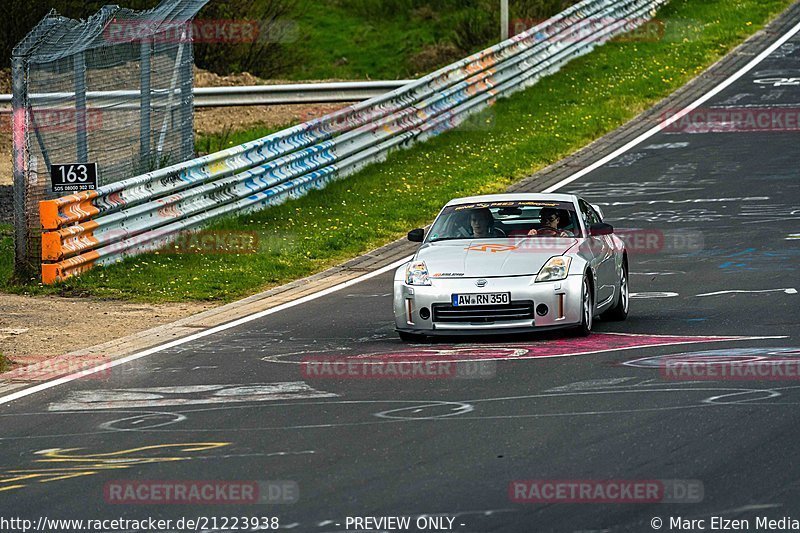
<point>547,231</point>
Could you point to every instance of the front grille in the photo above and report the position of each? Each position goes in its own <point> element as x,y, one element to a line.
<point>483,314</point>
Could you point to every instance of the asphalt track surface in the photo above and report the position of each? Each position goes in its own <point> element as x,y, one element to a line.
<point>237,405</point>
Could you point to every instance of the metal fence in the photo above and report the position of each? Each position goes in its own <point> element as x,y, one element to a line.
<point>58,64</point>
<point>148,211</point>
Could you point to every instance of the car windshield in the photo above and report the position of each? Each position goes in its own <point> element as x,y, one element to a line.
<point>512,219</point>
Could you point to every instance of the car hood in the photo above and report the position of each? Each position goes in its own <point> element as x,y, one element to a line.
<point>490,257</point>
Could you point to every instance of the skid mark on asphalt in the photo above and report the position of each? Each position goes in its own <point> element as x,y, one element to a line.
<point>150,397</point>
<point>761,291</point>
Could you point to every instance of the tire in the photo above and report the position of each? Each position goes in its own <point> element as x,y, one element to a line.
<point>620,310</point>
<point>587,309</point>
<point>410,337</point>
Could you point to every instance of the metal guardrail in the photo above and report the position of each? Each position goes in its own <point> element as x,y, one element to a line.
<point>296,93</point>
<point>146,212</point>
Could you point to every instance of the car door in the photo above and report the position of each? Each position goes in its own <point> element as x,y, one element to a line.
<point>602,248</point>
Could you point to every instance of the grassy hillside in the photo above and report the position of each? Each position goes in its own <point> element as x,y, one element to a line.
<point>384,39</point>
<point>321,39</point>
<point>350,39</point>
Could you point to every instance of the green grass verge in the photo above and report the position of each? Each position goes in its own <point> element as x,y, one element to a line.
<point>588,98</point>
<point>210,143</point>
<point>343,45</point>
<point>389,39</point>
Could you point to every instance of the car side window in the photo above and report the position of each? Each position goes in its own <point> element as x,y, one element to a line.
<point>589,215</point>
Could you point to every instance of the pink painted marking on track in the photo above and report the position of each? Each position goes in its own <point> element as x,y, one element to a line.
<point>596,343</point>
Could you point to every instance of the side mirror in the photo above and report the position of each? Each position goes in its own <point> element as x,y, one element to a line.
<point>597,230</point>
<point>416,235</point>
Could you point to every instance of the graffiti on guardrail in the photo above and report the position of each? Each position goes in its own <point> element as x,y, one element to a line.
<point>643,29</point>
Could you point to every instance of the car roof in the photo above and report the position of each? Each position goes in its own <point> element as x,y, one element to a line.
<point>553,197</point>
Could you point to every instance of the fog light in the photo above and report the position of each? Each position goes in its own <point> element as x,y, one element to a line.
<point>424,313</point>
<point>541,309</point>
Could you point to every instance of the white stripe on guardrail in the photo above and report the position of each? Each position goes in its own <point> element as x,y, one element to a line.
<point>295,93</point>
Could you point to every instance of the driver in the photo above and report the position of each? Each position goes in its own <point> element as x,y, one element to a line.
<point>482,223</point>
<point>550,219</point>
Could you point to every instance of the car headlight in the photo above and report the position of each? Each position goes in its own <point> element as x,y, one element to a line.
<point>555,269</point>
<point>417,274</point>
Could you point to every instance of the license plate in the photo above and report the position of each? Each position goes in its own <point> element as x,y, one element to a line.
<point>487,298</point>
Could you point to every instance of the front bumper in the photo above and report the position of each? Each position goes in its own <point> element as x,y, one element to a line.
<point>562,298</point>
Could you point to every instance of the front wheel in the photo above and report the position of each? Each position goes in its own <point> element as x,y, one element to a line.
<point>620,309</point>
<point>587,309</point>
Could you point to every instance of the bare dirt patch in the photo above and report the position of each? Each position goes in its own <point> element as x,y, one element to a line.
<point>219,119</point>
<point>39,327</point>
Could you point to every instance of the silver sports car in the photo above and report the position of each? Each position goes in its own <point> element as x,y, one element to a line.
<point>510,263</point>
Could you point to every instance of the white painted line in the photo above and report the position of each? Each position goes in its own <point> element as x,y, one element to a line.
<point>83,373</point>
<point>787,291</point>
<point>659,128</point>
<point>66,379</point>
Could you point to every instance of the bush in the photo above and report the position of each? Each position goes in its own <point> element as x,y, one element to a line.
<point>432,57</point>
<point>476,28</point>
<point>403,8</point>
<point>268,55</point>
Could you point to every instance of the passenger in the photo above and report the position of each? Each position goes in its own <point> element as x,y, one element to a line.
<point>550,219</point>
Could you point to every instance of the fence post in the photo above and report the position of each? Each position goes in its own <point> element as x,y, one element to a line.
<point>19,124</point>
<point>80,108</point>
<point>187,100</point>
<point>145,107</point>
<point>503,20</point>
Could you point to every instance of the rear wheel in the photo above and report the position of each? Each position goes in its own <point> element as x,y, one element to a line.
<point>587,309</point>
<point>620,309</point>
